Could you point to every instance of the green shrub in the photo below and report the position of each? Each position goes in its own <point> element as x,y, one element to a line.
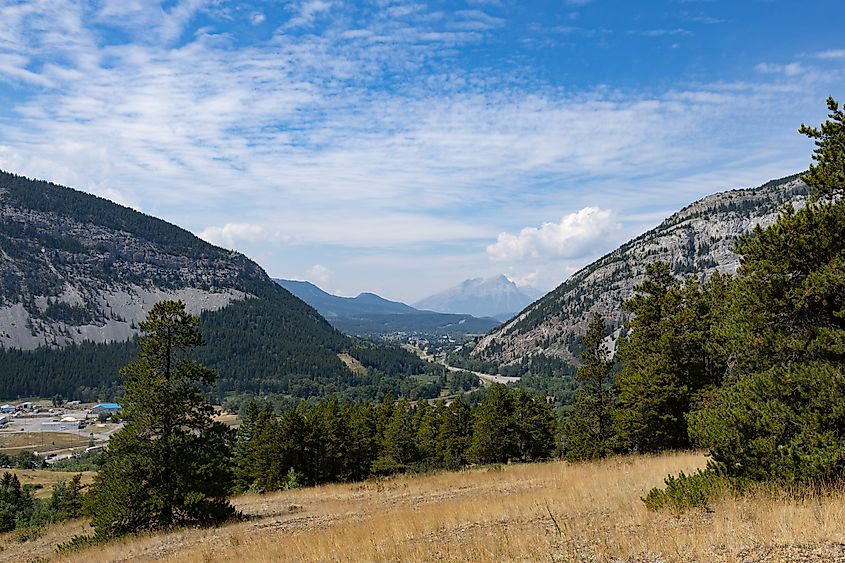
<point>783,425</point>
<point>77,543</point>
<point>685,492</point>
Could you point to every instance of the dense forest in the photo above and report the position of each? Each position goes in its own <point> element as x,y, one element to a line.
<point>343,441</point>
<point>749,367</point>
<point>255,347</point>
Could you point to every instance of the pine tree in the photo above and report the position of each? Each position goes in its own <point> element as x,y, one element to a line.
<point>589,428</point>
<point>827,176</point>
<point>492,438</point>
<point>788,303</point>
<point>533,426</point>
<point>782,416</point>
<point>171,464</point>
<point>667,363</point>
<point>455,434</point>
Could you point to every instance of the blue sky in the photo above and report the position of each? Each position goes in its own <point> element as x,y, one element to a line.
<point>401,147</point>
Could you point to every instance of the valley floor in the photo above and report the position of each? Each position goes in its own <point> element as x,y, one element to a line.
<point>541,512</point>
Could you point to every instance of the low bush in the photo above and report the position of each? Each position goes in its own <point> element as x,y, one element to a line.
<point>694,491</point>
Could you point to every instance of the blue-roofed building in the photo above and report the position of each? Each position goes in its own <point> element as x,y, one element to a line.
<point>106,407</point>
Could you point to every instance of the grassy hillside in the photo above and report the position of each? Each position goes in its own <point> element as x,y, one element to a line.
<point>538,512</point>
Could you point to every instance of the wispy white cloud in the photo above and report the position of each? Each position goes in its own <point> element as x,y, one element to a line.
<point>831,54</point>
<point>306,11</point>
<point>662,32</point>
<point>790,69</point>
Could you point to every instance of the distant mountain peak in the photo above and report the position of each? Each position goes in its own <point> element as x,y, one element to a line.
<point>369,314</point>
<point>330,306</point>
<point>495,296</point>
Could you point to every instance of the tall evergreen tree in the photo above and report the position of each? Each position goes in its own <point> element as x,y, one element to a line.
<point>492,438</point>
<point>782,417</point>
<point>533,427</point>
<point>455,434</point>
<point>170,464</point>
<point>827,175</point>
<point>589,428</point>
<point>667,362</point>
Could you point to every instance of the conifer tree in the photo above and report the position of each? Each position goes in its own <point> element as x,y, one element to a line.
<point>589,428</point>
<point>455,434</point>
<point>533,427</point>
<point>668,364</point>
<point>492,438</point>
<point>781,416</point>
<point>170,465</point>
<point>827,175</point>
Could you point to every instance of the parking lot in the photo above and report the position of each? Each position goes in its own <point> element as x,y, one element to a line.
<point>62,431</point>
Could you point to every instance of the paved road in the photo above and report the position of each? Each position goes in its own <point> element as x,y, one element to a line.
<point>485,378</point>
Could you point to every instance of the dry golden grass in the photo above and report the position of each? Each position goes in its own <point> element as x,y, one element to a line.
<point>356,367</point>
<point>542,512</point>
<point>11,442</point>
<point>47,478</point>
<point>228,419</point>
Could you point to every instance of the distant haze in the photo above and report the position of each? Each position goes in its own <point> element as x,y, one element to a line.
<point>496,297</point>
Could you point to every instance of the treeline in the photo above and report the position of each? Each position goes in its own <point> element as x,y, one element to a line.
<point>343,441</point>
<point>752,366</point>
<point>272,345</point>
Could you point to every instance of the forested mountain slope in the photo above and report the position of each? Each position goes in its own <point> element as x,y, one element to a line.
<point>696,240</point>
<point>78,273</point>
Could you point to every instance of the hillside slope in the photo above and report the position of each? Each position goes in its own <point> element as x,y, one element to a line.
<point>76,267</point>
<point>696,240</point>
<point>78,273</point>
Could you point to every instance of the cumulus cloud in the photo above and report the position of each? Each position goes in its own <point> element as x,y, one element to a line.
<point>576,235</point>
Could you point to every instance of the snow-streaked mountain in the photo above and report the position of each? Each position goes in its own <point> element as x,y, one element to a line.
<point>496,297</point>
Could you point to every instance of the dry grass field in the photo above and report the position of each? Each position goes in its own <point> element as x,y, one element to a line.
<point>13,442</point>
<point>542,512</point>
<point>47,479</point>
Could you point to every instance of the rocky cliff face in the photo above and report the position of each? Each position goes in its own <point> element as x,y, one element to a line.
<point>698,239</point>
<point>75,267</point>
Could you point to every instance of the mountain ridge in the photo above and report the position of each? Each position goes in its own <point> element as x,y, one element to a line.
<point>698,239</point>
<point>79,273</point>
<point>372,316</point>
